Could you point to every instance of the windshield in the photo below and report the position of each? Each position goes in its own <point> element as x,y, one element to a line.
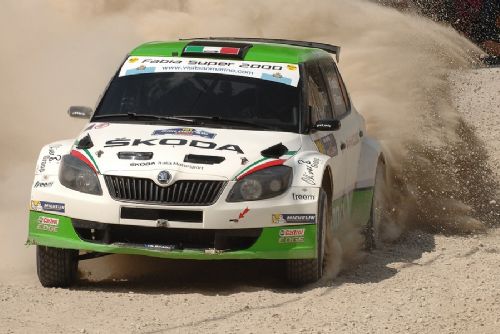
<point>208,98</point>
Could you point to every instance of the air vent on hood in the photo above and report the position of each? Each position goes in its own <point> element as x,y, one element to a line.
<point>135,155</point>
<point>203,159</point>
<point>85,143</point>
<point>275,151</point>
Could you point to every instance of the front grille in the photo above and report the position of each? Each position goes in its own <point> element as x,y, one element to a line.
<point>183,192</point>
<point>166,238</point>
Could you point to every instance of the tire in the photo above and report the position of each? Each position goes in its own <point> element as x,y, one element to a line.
<point>56,267</point>
<point>304,271</point>
<point>378,211</point>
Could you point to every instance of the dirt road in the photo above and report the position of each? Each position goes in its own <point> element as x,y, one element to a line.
<point>423,283</point>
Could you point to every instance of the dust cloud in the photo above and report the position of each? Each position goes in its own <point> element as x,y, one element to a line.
<point>58,53</point>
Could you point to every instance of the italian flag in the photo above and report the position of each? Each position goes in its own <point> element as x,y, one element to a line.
<point>212,49</point>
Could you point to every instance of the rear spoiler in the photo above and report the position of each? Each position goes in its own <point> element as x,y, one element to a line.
<point>333,49</point>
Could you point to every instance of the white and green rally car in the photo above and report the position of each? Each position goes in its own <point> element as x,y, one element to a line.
<point>209,149</point>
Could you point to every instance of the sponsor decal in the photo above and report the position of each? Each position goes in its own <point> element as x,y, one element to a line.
<point>327,145</point>
<point>51,157</point>
<point>140,70</point>
<point>101,126</point>
<point>142,164</point>
<point>305,197</point>
<point>293,218</point>
<point>160,247</point>
<point>352,140</point>
<point>54,157</point>
<point>167,164</point>
<point>291,236</point>
<point>290,240</point>
<point>299,232</point>
<point>48,224</point>
<point>277,72</point>
<point>39,184</point>
<point>184,132</point>
<point>240,216</point>
<point>263,163</point>
<point>48,206</point>
<point>119,142</point>
<point>97,126</point>
<point>181,165</point>
<point>213,251</point>
<point>311,167</point>
<point>276,77</point>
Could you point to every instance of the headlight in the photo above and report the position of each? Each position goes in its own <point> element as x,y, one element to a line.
<point>266,183</point>
<point>77,175</point>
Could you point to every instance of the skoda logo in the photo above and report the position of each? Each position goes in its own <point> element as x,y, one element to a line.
<point>164,177</point>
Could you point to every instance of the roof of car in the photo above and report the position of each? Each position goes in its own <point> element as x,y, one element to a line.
<point>268,51</point>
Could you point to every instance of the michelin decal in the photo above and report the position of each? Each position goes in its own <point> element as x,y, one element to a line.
<point>294,218</point>
<point>48,206</point>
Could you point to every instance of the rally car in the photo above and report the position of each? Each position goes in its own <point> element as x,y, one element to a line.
<point>210,149</point>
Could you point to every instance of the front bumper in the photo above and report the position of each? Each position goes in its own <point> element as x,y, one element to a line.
<point>278,242</point>
<point>220,215</point>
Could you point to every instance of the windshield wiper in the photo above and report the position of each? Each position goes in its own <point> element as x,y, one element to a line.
<point>133,115</point>
<point>221,120</point>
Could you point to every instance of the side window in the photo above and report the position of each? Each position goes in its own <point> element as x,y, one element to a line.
<point>336,89</point>
<point>344,90</point>
<point>317,94</point>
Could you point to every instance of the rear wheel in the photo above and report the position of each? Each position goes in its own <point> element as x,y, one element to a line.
<point>56,267</point>
<point>303,271</point>
<point>378,212</point>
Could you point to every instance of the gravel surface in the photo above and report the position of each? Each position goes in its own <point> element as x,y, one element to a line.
<point>478,101</point>
<point>422,284</point>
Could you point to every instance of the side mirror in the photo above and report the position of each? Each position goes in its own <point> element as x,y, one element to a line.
<point>80,112</point>
<point>327,125</point>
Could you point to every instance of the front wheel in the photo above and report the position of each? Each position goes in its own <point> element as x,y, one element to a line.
<point>56,267</point>
<point>378,212</point>
<point>304,271</point>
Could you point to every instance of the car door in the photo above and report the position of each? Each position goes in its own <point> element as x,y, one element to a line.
<point>351,126</point>
<point>327,142</point>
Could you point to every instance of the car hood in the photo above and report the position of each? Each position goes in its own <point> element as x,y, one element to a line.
<point>117,148</point>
